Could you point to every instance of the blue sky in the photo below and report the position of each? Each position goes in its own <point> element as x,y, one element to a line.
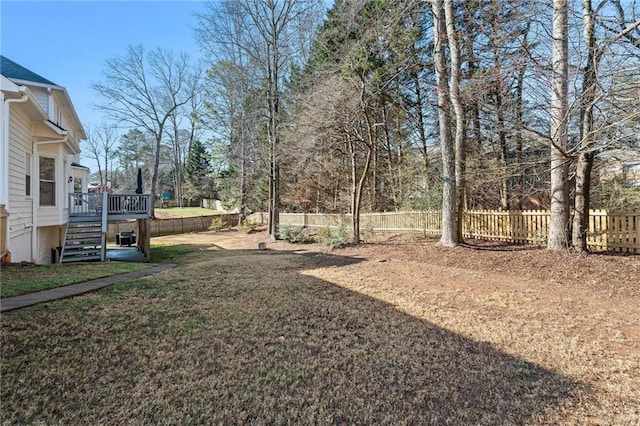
<point>68,42</point>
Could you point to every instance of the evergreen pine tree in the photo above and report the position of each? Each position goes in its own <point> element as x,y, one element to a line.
<point>199,183</point>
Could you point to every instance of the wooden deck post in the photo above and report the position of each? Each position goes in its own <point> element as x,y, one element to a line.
<point>144,238</point>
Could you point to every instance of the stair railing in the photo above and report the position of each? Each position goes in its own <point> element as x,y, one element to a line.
<point>82,204</point>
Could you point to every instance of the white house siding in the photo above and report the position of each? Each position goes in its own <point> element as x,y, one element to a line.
<point>42,96</point>
<point>49,237</point>
<point>21,245</point>
<point>20,205</point>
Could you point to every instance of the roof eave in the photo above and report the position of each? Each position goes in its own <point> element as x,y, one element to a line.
<point>31,98</point>
<point>81,134</point>
<point>37,84</point>
<point>8,86</point>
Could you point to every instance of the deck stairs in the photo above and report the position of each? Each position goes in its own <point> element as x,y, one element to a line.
<point>84,240</point>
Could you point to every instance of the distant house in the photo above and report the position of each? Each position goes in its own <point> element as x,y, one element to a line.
<point>622,166</point>
<point>39,162</point>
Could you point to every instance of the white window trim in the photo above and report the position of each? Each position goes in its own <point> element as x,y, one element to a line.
<point>55,182</point>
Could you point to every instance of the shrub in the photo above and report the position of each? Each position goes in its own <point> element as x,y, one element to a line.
<point>217,224</point>
<point>366,231</point>
<point>334,238</point>
<point>249,226</point>
<point>294,234</point>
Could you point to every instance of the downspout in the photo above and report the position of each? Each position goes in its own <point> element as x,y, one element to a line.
<point>36,200</point>
<point>4,155</point>
<point>4,190</point>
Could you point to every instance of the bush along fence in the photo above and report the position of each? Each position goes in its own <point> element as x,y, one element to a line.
<point>608,231</point>
<point>181,225</point>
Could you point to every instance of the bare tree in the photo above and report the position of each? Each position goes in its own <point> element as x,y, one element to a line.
<point>234,110</point>
<point>102,147</point>
<point>264,31</point>
<point>143,90</point>
<point>588,99</point>
<point>460,132</point>
<point>449,233</point>
<point>559,222</point>
<point>183,128</point>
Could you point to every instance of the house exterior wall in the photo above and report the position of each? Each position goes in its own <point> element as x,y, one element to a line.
<point>49,237</point>
<point>25,148</point>
<point>42,96</point>
<point>20,205</point>
<point>620,165</point>
<point>38,119</point>
<point>20,245</point>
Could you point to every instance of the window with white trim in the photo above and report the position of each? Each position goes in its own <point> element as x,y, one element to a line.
<point>47,181</point>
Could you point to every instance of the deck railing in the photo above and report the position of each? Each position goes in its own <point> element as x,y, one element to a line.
<point>129,204</point>
<point>83,204</point>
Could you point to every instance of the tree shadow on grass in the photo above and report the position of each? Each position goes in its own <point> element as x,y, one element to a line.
<point>251,337</point>
<point>471,243</point>
<point>363,360</point>
<point>478,244</point>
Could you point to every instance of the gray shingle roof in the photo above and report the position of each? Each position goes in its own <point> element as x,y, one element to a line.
<point>12,70</point>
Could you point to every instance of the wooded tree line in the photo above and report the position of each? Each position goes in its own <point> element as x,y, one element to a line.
<point>380,105</point>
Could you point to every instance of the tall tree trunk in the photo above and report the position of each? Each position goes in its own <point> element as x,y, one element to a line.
<point>177,162</point>
<point>357,184</point>
<point>374,190</point>
<point>243,172</point>
<point>558,238</point>
<point>274,136</point>
<point>582,197</point>
<point>502,149</point>
<point>394,182</point>
<point>585,157</point>
<point>475,147</point>
<point>519,101</point>
<point>448,238</point>
<point>460,136</point>
<point>421,133</point>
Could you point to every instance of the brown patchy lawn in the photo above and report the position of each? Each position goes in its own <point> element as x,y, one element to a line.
<point>392,332</point>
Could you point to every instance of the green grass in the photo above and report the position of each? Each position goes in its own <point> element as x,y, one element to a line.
<point>20,279</point>
<point>185,212</point>
<point>179,254</point>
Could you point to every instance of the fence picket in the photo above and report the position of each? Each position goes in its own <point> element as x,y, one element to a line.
<point>616,231</point>
<point>607,231</point>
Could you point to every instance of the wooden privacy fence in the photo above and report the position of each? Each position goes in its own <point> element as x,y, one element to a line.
<point>180,225</point>
<point>608,231</point>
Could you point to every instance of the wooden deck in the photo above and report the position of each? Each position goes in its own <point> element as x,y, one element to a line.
<point>118,206</point>
<point>89,214</point>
